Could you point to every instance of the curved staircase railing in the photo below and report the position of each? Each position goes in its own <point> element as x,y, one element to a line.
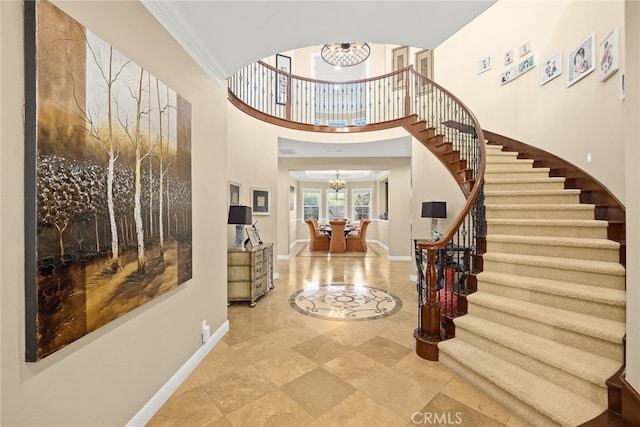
<point>446,265</point>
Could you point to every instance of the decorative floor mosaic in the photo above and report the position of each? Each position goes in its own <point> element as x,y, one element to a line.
<point>345,302</point>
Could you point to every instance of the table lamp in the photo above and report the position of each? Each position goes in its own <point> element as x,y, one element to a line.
<point>239,215</point>
<point>434,210</point>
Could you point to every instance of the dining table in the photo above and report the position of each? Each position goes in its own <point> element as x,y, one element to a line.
<point>326,228</point>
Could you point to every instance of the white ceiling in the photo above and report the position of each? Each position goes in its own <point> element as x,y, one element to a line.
<point>224,36</point>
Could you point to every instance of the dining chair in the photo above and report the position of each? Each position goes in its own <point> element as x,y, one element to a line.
<point>319,241</point>
<point>357,241</point>
<point>338,242</point>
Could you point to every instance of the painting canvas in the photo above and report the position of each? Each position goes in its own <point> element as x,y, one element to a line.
<point>525,65</point>
<point>581,60</point>
<point>424,66</point>
<point>108,183</point>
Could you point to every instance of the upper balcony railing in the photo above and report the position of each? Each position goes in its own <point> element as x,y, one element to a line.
<point>432,115</point>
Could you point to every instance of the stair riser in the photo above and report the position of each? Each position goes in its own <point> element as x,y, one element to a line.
<point>517,199</point>
<point>605,280</point>
<point>496,212</point>
<point>497,156</point>
<point>520,174</point>
<point>588,307</point>
<point>591,344</point>
<point>524,411</point>
<point>542,230</point>
<point>571,382</point>
<point>517,186</point>
<point>574,252</point>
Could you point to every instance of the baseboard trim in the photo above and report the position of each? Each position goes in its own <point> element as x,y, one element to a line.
<point>147,412</point>
<point>399,258</point>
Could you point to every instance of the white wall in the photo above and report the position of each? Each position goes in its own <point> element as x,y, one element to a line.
<point>587,117</point>
<point>106,377</point>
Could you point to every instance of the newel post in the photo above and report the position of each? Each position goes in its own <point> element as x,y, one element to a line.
<point>427,334</point>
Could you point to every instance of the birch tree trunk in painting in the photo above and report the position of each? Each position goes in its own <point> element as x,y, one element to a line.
<point>112,159</point>
<point>161,173</point>
<point>137,209</point>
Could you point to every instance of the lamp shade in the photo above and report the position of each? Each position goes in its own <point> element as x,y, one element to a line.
<point>239,214</point>
<point>434,209</point>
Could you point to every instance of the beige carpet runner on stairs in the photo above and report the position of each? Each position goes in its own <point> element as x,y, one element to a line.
<point>545,328</point>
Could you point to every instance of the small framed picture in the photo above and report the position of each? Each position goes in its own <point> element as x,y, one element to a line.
<point>251,234</point>
<point>283,63</point>
<point>525,65</point>
<point>551,68</point>
<point>524,49</point>
<point>608,56</point>
<point>580,61</point>
<point>508,57</point>
<point>508,75</point>
<point>260,201</point>
<point>292,198</point>
<point>483,64</point>
<point>234,193</point>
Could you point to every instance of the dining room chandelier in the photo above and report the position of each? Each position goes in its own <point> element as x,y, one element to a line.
<point>345,54</point>
<point>337,184</point>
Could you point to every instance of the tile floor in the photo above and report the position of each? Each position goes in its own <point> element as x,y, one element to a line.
<point>279,367</point>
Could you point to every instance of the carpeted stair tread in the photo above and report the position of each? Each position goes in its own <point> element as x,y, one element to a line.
<point>614,297</point>
<point>599,267</point>
<point>556,241</point>
<point>502,159</point>
<point>591,367</point>
<point>550,222</point>
<point>532,193</point>
<point>555,402</point>
<point>558,179</point>
<point>604,329</point>
<point>542,206</point>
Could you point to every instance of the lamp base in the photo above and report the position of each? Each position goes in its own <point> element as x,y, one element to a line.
<point>239,240</point>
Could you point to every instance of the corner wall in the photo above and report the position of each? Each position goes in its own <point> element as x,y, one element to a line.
<point>106,377</point>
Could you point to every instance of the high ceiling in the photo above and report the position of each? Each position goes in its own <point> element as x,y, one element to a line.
<point>224,36</point>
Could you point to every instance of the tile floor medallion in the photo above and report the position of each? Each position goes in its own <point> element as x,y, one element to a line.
<point>345,302</point>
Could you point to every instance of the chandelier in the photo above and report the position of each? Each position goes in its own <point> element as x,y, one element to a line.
<point>337,184</point>
<point>345,54</point>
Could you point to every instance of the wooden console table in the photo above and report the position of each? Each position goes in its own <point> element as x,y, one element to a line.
<point>249,273</point>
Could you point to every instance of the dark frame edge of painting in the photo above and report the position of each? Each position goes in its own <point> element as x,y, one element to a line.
<point>30,181</point>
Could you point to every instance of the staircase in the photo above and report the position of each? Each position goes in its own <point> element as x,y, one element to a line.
<point>544,331</point>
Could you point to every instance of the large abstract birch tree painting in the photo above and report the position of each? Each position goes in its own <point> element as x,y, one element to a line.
<point>108,182</point>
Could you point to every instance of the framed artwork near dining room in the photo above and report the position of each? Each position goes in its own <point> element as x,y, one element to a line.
<point>260,201</point>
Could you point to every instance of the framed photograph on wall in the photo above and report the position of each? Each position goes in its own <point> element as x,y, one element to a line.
<point>508,57</point>
<point>581,60</point>
<point>483,64</point>
<point>508,75</point>
<point>424,63</point>
<point>400,60</point>
<point>525,65</point>
<point>524,49</point>
<point>283,63</point>
<point>234,193</point>
<point>608,55</point>
<point>260,201</point>
<point>551,68</point>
